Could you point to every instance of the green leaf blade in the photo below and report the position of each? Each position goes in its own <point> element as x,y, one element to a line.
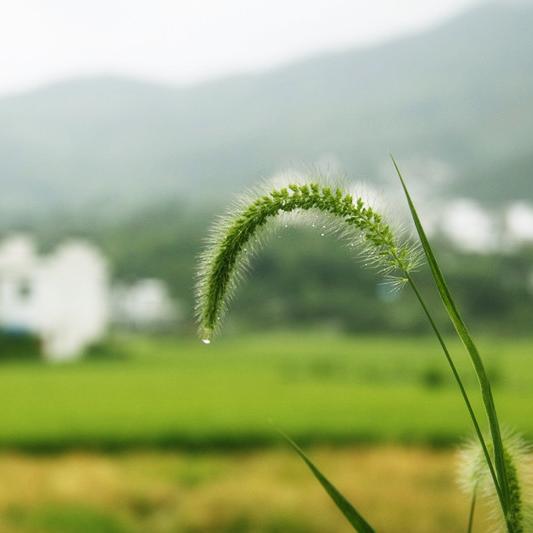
<point>345,507</point>
<point>502,484</point>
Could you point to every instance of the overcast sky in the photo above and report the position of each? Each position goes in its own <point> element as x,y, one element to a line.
<point>183,41</point>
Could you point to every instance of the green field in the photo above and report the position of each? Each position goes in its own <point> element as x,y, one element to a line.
<point>318,387</point>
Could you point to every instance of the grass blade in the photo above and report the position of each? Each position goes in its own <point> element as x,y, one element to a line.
<point>471,513</point>
<point>356,520</point>
<point>502,484</point>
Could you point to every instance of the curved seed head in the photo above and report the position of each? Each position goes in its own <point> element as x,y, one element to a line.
<point>236,236</point>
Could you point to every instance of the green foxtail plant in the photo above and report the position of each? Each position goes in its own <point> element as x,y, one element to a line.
<point>235,238</point>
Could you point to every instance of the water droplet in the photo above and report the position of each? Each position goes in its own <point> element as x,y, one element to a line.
<point>313,225</point>
<point>286,226</point>
<point>322,234</point>
<point>206,341</point>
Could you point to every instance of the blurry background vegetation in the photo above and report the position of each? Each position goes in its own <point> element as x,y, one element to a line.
<point>303,278</point>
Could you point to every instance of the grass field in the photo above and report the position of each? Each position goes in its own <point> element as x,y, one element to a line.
<point>270,491</point>
<point>116,415</point>
<point>319,388</point>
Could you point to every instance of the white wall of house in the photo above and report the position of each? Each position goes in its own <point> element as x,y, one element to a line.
<point>145,305</point>
<point>18,265</point>
<point>62,297</point>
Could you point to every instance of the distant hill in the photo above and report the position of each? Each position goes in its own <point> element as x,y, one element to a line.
<point>458,98</point>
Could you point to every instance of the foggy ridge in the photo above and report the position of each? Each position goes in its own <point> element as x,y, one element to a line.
<point>456,98</point>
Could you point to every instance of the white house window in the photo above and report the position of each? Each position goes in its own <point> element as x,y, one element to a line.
<point>24,289</point>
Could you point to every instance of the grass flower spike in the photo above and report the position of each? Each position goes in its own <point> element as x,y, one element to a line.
<point>475,480</point>
<point>235,238</point>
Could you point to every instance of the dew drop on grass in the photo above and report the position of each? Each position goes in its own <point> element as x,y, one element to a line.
<point>206,341</point>
<point>322,234</point>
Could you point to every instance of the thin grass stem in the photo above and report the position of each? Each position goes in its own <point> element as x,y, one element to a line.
<point>459,382</point>
<point>472,511</point>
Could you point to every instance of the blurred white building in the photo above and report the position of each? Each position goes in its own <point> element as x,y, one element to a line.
<point>61,297</point>
<point>145,304</point>
<point>474,227</point>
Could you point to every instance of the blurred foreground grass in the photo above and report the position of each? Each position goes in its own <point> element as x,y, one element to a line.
<point>267,491</point>
<point>319,387</point>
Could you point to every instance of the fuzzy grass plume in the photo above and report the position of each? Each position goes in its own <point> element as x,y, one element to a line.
<point>475,480</point>
<point>235,236</point>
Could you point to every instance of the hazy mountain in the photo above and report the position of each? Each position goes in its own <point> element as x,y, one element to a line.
<point>454,104</point>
